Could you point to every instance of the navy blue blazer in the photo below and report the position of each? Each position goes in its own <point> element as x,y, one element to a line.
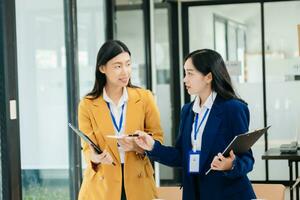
<point>227,119</point>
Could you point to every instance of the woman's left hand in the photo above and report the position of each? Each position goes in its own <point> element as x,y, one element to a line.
<point>129,144</point>
<point>220,163</point>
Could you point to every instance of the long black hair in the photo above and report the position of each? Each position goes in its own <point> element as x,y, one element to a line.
<point>209,61</point>
<point>107,51</point>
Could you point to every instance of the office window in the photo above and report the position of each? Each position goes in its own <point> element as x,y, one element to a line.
<point>282,84</point>
<point>239,24</point>
<point>42,99</point>
<point>230,42</point>
<point>220,37</point>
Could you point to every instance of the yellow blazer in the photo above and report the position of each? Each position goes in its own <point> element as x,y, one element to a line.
<point>104,182</point>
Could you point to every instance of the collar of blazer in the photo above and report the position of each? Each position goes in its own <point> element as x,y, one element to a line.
<point>101,115</point>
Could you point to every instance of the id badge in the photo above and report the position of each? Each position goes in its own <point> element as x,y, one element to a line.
<point>194,162</point>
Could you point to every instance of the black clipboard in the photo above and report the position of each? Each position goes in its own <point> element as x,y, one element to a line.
<point>243,142</point>
<point>85,138</point>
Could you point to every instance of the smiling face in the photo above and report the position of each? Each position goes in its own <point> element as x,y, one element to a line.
<point>195,82</point>
<point>117,70</point>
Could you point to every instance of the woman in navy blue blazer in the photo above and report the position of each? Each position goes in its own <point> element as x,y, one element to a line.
<point>207,126</point>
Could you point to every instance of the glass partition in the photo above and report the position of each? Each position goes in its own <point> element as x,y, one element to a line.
<point>42,99</point>
<point>282,78</point>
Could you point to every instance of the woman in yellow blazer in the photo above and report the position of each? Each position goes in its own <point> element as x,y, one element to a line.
<point>116,108</point>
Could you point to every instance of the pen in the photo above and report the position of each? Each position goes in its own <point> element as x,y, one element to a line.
<point>208,171</point>
<point>136,135</point>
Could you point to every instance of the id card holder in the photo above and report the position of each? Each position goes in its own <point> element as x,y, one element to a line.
<point>194,161</point>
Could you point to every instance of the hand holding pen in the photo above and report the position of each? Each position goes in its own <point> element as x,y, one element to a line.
<point>221,163</point>
<point>127,142</point>
<point>137,135</point>
<point>144,140</point>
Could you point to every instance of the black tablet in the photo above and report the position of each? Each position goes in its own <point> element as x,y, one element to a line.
<point>85,138</point>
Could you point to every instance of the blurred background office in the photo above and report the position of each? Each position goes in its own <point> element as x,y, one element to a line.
<point>47,56</point>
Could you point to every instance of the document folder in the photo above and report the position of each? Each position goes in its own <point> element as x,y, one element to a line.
<point>243,142</point>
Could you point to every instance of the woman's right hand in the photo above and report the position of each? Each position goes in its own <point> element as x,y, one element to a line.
<point>103,158</point>
<point>144,141</point>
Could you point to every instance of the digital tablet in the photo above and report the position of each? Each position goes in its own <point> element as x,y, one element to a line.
<point>85,138</point>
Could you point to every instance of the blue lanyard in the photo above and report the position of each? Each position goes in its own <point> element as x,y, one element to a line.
<point>114,119</point>
<point>196,129</point>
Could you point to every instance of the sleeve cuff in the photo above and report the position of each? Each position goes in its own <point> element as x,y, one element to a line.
<point>154,150</point>
<point>229,172</point>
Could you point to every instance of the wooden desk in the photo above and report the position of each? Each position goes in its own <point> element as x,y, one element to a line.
<point>274,154</point>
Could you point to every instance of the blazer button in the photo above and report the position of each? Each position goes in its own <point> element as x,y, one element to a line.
<point>101,178</point>
<point>140,175</point>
